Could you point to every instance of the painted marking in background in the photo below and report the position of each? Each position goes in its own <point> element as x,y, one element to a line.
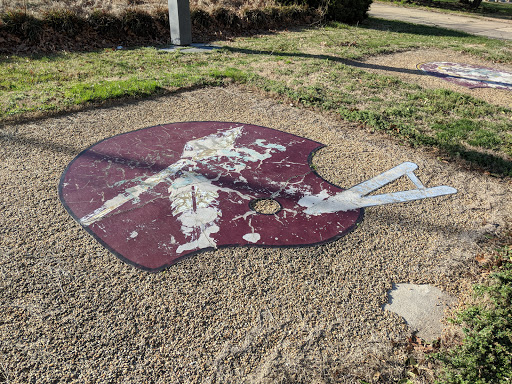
<point>468,75</point>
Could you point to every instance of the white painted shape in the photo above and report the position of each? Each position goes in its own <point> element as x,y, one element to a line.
<point>354,198</point>
<point>132,193</point>
<point>212,145</point>
<point>192,190</point>
<point>199,217</point>
<point>134,234</point>
<point>203,241</point>
<point>384,178</point>
<point>245,215</point>
<point>252,237</point>
<point>105,209</point>
<point>310,200</point>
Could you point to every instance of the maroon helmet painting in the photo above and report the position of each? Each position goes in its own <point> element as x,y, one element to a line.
<point>156,195</point>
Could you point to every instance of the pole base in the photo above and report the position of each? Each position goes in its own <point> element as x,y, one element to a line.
<point>192,48</point>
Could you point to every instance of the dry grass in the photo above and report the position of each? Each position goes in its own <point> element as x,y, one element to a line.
<point>81,6</point>
<point>117,6</point>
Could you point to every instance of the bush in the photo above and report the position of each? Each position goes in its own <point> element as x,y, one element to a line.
<point>295,12</point>
<point>200,18</point>
<point>134,26</point>
<point>348,11</point>
<point>345,11</point>
<point>138,22</point>
<point>226,18</point>
<point>254,17</point>
<point>64,21</point>
<point>104,23</point>
<point>485,357</point>
<point>22,24</point>
<point>161,15</point>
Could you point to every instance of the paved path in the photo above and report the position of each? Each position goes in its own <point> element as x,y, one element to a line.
<point>493,28</point>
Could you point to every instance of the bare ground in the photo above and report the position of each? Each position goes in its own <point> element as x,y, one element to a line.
<point>72,312</point>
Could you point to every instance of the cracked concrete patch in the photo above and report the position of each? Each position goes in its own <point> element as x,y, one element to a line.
<point>422,306</point>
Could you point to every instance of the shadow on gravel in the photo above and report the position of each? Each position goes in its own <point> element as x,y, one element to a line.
<point>16,139</point>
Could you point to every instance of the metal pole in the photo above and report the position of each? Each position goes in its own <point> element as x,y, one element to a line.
<point>179,20</point>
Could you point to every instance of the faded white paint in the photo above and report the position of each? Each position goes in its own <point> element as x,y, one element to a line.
<point>252,237</point>
<point>201,220</point>
<point>204,240</point>
<point>193,197</point>
<point>133,193</point>
<point>214,146</point>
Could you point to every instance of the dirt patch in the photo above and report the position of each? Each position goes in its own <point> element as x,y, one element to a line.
<point>403,65</point>
<point>71,311</point>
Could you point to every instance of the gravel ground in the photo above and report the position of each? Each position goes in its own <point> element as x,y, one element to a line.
<point>72,312</point>
<point>403,65</point>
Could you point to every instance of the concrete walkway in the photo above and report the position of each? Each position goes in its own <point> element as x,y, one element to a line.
<point>481,26</point>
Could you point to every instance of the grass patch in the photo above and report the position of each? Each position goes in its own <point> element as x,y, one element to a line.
<point>485,355</point>
<point>104,90</point>
<point>314,67</point>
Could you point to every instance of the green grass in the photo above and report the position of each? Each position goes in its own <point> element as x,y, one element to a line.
<point>31,84</point>
<point>317,68</point>
<point>485,356</point>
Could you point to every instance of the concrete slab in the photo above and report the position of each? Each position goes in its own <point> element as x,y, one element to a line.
<point>421,306</point>
<point>192,48</point>
<point>496,34</point>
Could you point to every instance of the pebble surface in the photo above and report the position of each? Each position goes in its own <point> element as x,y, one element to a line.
<point>72,312</point>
